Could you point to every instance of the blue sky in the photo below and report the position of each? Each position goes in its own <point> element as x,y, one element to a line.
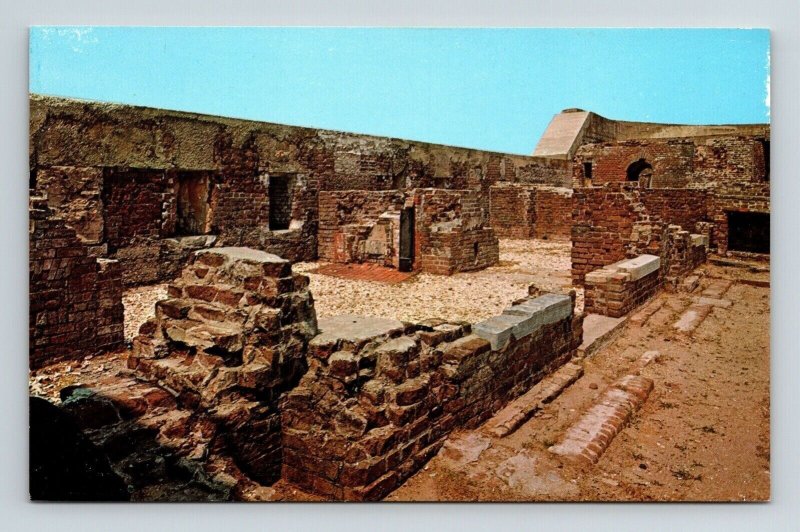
<point>493,89</point>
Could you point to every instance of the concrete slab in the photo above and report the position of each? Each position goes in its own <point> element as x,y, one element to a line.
<point>639,266</point>
<point>497,330</point>
<point>692,318</point>
<point>598,330</point>
<point>240,253</point>
<point>352,328</point>
<point>714,302</point>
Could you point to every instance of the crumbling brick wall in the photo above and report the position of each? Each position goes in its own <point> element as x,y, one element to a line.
<point>346,219</point>
<point>230,338</point>
<point>671,161</point>
<point>452,232</point>
<point>603,222</point>
<point>617,289</point>
<point>684,207</point>
<point>747,198</point>
<point>524,211</point>
<point>75,146</point>
<point>75,298</point>
<point>616,222</point>
<point>375,407</point>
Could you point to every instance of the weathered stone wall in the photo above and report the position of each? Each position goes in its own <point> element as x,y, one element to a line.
<point>75,298</point>
<point>380,397</point>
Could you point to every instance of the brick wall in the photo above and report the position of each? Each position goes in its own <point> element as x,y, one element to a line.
<point>346,219</point>
<point>615,222</point>
<point>684,207</point>
<point>603,222</point>
<point>75,298</point>
<point>702,162</point>
<point>553,213</point>
<point>671,161</point>
<point>76,147</point>
<point>452,233</point>
<point>513,210</point>
<point>371,413</point>
<point>611,291</point>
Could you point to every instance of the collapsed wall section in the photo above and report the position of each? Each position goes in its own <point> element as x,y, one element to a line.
<point>75,298</point>
<point>381,396</point>
<point>231,337</point>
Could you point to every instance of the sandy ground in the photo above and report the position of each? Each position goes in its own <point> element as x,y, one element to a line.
<point>702,435</point>
<point>470,296</point>
<point>139,305</point>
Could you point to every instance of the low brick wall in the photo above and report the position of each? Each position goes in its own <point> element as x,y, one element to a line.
<point>615,290</point>
<point>381,396</point>
<point>75,299</point>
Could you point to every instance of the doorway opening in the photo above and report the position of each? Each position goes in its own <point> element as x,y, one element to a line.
<point>280,201</point>
<point>407,224</point>
<point>748,231</point>
<point>194,204</point>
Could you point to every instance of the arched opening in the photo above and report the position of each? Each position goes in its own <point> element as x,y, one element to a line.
<point>640,171</point>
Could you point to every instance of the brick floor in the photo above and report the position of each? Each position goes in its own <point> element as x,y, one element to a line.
<point>364,272</point>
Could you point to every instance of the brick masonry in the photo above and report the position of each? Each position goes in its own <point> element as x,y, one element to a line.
<point>525,211</point>
<point>373,409</point>
<point>231,336</point>
<point>587,440</point>
<point>75,298</point>
<point>97,178</point>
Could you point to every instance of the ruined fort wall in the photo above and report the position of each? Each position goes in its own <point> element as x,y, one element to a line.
<point>703,162</point>
<point>553,213</point>
<point>513,210</point>
<point>346,219</point>
<point>75,148</point>
<point>617,222</point>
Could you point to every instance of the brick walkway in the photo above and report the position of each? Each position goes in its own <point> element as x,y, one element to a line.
<point>364,272</point>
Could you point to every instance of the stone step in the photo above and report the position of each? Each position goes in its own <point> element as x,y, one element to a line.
<point>692,318</point>
<point>513,416</point>
<point>598,330</point>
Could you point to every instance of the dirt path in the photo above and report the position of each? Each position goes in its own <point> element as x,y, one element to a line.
<point>703,433</point>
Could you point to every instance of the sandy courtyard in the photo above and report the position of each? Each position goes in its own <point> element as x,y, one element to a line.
<point>471,296</point>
